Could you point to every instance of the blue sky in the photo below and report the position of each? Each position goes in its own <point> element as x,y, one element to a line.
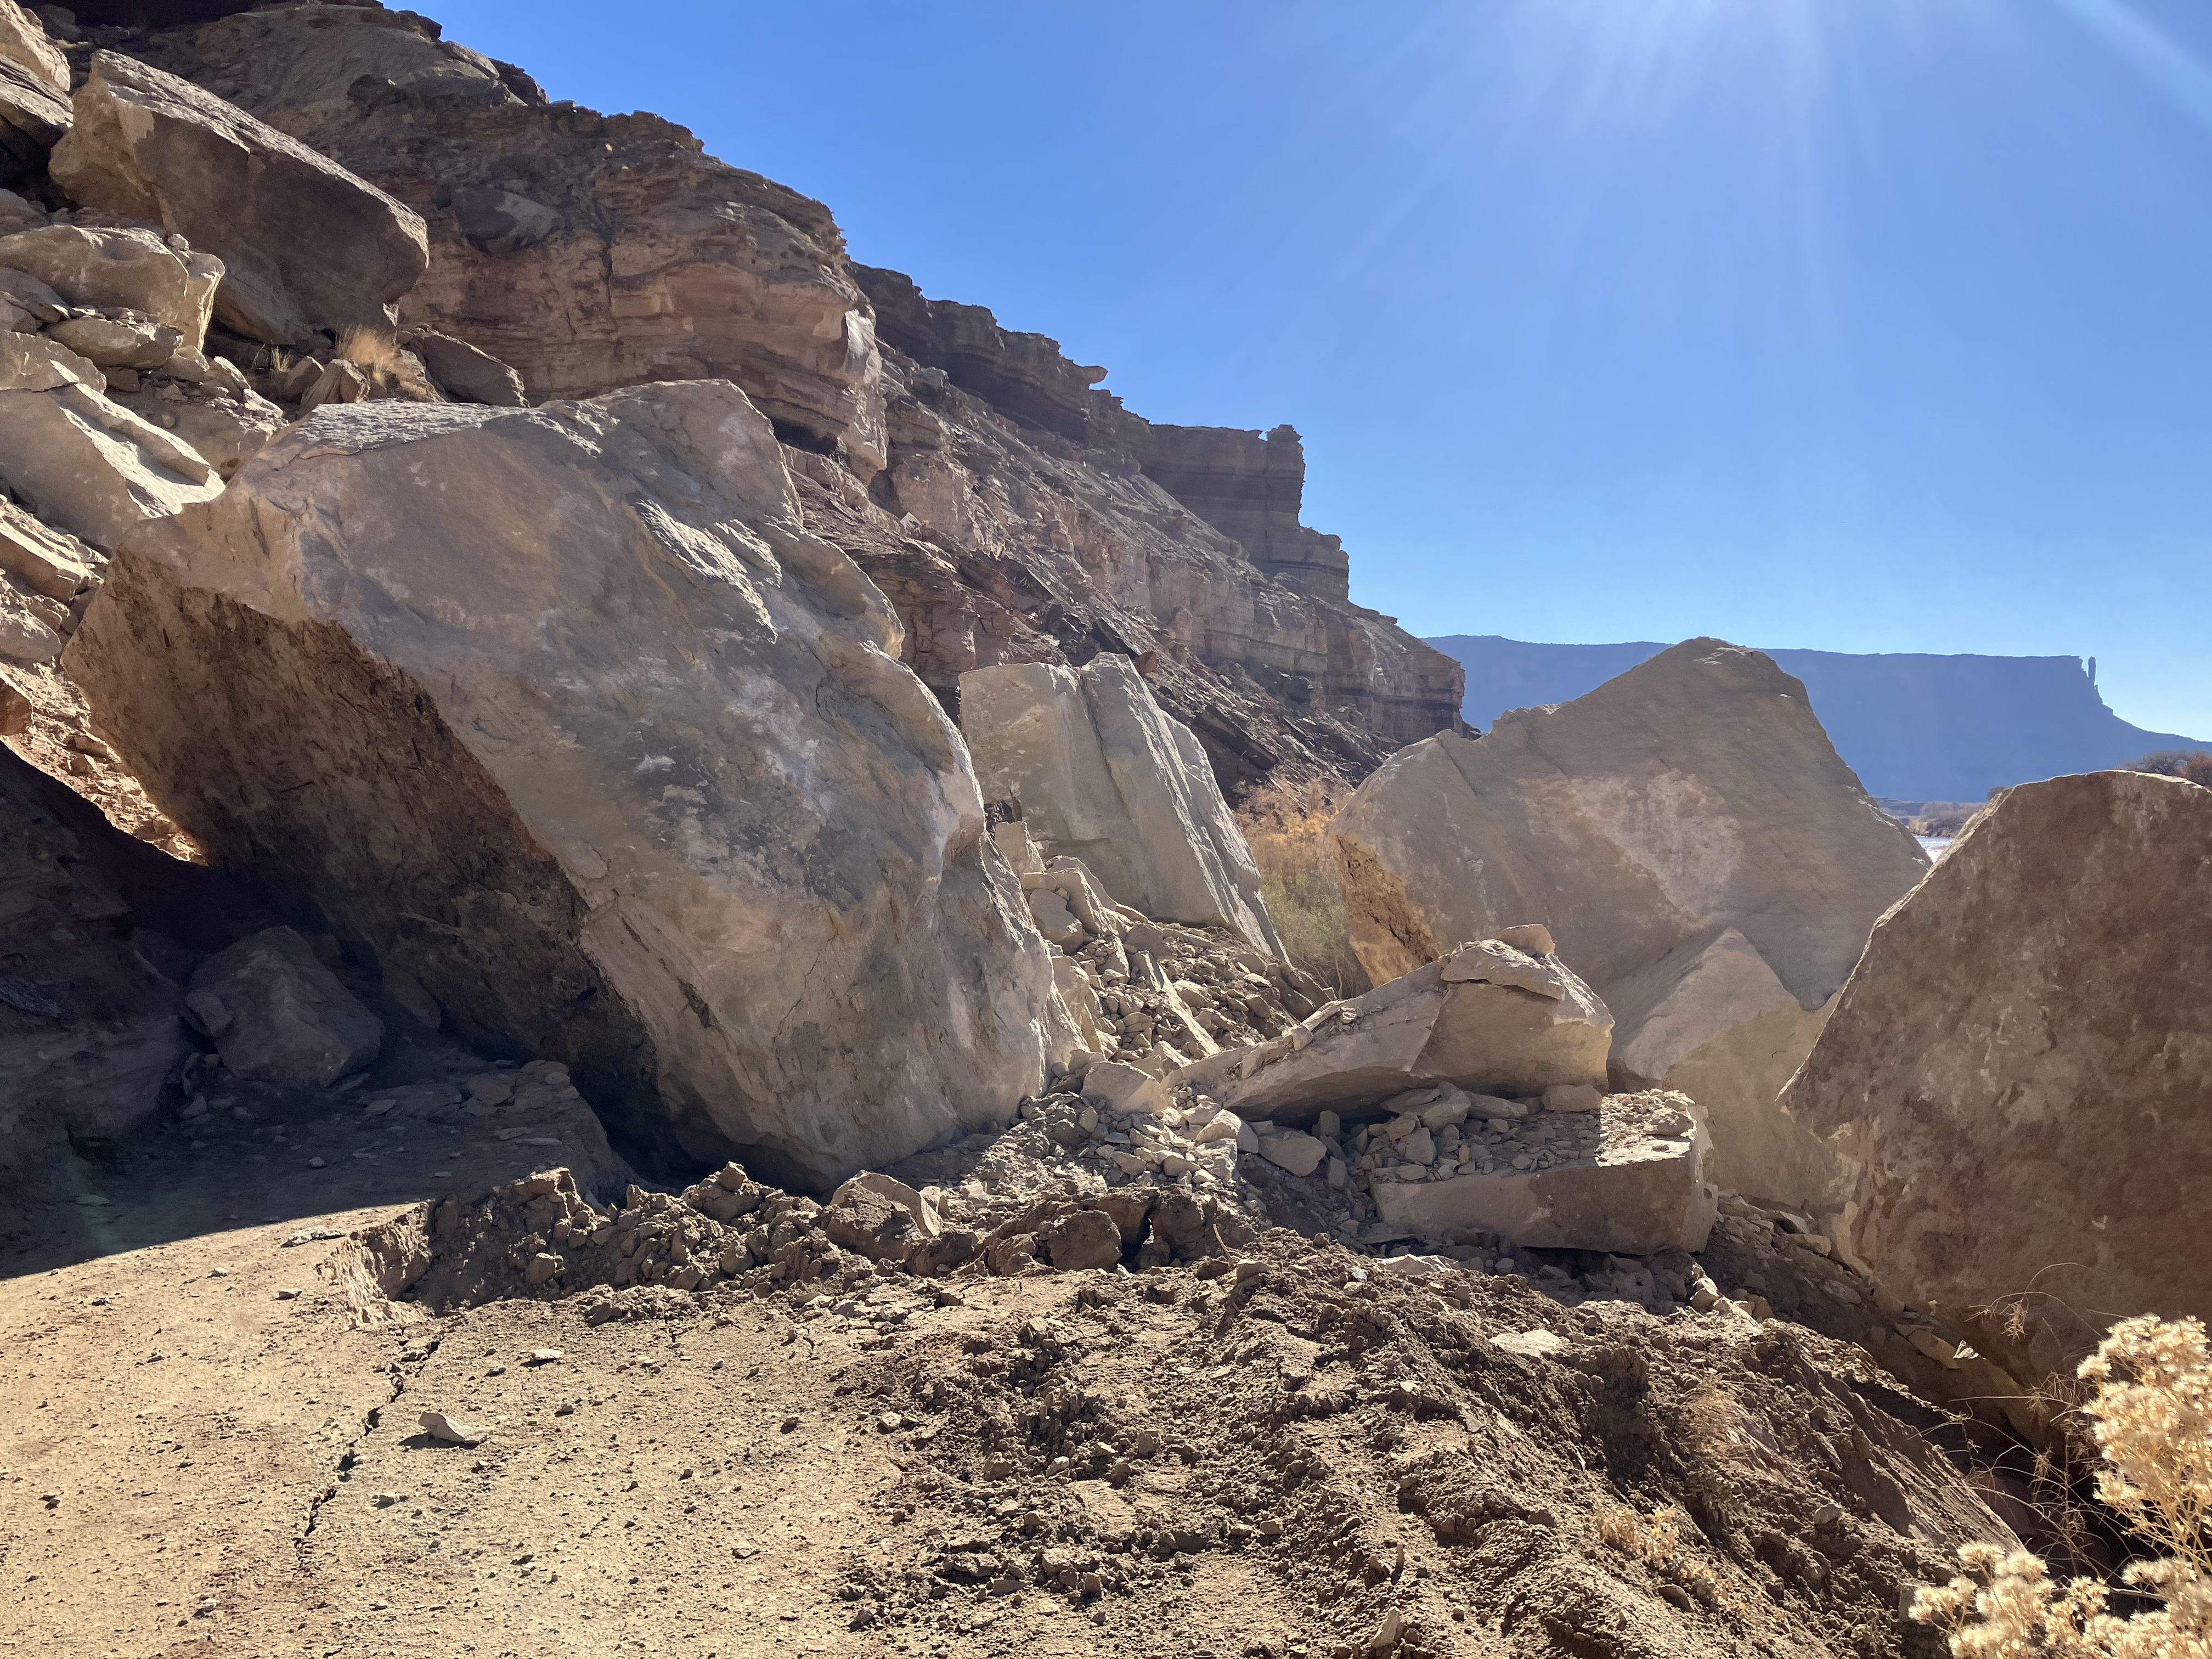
<point>1854,324</point>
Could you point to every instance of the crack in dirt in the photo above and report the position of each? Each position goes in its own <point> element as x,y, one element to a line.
<point>371,1421</point>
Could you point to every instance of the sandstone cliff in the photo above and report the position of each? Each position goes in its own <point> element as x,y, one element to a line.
<point>1011,511</point>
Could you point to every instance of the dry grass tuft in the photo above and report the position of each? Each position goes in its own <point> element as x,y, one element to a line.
<point>1661,1541</point>
<point>390,368</point>
<point>1301,880</point>
<point>2151,1415</point>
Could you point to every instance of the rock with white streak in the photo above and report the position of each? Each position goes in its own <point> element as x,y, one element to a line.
<point>724,853</point>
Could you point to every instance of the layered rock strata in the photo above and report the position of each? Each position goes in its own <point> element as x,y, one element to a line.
<point>1696,847</point>
<point>562,714</point>
<point>2020,1072</point>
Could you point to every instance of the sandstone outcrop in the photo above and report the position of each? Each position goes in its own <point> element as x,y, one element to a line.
<point>305,245</point>
<point>1695,847</point>
<point>1250,486</point>
<point>1103,776</point>
<point>1486,1018</point>
<point>562,714</point>
<point>2020,1072</point>
<point>588,252</point>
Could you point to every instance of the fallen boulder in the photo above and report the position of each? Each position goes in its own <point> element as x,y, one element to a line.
<point>1104,775</point>
<point>1636,1186</point>
<point>305,245</point>
<point>277,1015</point>
<point>1688,835</point>
<point>567,717</point>
<point>1486,1018</point>
<point>128,270</point>
<point>2020,1072</point>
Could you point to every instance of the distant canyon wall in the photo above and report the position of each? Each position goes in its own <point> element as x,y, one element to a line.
<point>1913,727</point>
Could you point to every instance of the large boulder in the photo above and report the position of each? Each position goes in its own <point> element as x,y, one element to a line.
<point>1697,848</point>
<point>82,461</point>
<point>1487,1017</point>
<point>305,243</point>
<point>1104,775</point>
<point>107,266</point>
<point>563,712</point>
<point>2020,1071</point>
<point>34,93</point>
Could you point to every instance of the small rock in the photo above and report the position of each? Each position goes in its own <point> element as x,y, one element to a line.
<point>1572,1097</point>
<point>888,1422</point>
<point>544,1356</point>
<point>439,1426</point>
<point>315,1163</point>
<point>1530,936</point>
<point>288,1294</point>
<point>1299,1154</point>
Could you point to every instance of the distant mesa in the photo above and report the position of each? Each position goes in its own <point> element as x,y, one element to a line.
<point>1915,728</point>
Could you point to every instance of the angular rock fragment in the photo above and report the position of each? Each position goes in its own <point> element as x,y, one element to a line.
<point>277,1015</point>
<point>2019,1075</point>
<point>86,463</point>
<point>1104,775</point>
<point>465,373</point>
<point>568,718</point>
<point>305,245</point>
<point>1486,1018</point>
<point>132,270</point>
<point>1641,1188</point>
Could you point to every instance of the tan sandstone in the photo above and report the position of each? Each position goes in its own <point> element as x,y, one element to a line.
<point>565,716</point>
<point>2019,1072</point>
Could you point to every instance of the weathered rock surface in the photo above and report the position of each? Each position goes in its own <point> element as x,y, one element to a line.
<point>35,93</point>
<point>103,265</point>
<point>562,714</point>
<point>588,252</point>
<point>1104,776</point>
<point>83,463</point>
<point>97,931</point>
<point>1638,1187</point>
<point>465,373</point>
<point>277,1015</point>
<point>2020,1072</point>
<point>305,245</point>
<point>1486,1018</point>
<point>1250,486</point>
<point>1694,845</point>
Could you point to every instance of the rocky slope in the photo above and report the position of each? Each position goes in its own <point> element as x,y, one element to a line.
<point>1011,512</point>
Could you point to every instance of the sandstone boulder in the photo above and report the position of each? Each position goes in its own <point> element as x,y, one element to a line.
<point>1486,1018</point>
<point>563,712</point>
<point>2020,1072</point>
<point>1104,775</point>
<point>1691,840</point>
<point>132,270</point>
<point>84,463</point>
<point>35,91</point>
<point>1638,1187</point>
<point>277,1015</point>
<point>465,373</point>
<point>880,1217</point>
<point>305,243</point>
<point>24,43</point>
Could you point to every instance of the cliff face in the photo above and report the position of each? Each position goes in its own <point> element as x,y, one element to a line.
<point>1913,727</point>
<point>1011,512</point>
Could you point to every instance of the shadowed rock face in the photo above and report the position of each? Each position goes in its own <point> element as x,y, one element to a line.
<point>2020,1072</point>
<point>561,712</point>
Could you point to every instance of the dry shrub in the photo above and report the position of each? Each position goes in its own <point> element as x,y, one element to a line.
<point>1661,1541</point>
<point>2176,763</point>
<point>389,368</point>
<point>2151,1415</point>
<point>1301,880</point>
